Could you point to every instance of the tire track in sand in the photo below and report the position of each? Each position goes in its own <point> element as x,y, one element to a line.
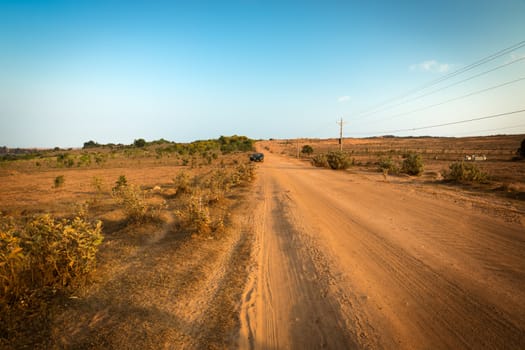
<point>286,305</point>
<point>341,263</point>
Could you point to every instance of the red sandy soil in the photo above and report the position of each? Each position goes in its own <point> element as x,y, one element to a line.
<point>349,260</point>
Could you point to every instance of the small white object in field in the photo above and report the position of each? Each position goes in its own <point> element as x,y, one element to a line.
<point>475,157</point>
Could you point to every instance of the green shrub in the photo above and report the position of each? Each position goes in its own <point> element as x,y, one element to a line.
<point>139,143</point>
<point>338,160</point>
<point>120,183</point>
<point>388,165</point>
<point>320,161</point>
<point>100,158</point>
<point>465,172</point>
<point>45,254</point>
<point>85,159</point>
<point>307,149</point>
<point>59,181</point>
<point>234,143</point>
<point>412,164</point>
<point>90,144</point>
<point>64,159</point>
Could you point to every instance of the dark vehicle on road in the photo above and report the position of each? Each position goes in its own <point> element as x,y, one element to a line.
<point>257,157</point>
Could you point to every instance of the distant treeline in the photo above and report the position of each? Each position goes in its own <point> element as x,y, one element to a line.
<point>224,144</point>
<point>6,150</point>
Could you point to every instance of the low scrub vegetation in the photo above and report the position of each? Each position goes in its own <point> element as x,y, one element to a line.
<point>190,191</point>
<point>332,160</point>
<point>217,185</point>
<point>43,255</point>
<point>243,173</point>
<point>320,161</point>
<point>139,143</point>
<point>466,172</point>
<point>133,201</point>
<point>338,160</point>
<point>307,149</point>
<point>412,164</point>
<point>195,215</point>
<point>199,199</point>
<point>388,166</point>
<point>59,181</point>
<point>182,183</point>
<point>93,154</point>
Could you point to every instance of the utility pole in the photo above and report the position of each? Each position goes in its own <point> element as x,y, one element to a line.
<point>341,123</point>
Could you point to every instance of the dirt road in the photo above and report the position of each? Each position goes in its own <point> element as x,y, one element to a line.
<point>346,260</point>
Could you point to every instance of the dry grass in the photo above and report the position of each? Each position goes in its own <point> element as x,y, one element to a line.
<point>148,209</point>
<point>437,154</point>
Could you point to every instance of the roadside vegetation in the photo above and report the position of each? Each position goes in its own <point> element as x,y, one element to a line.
<point>307,150</point>
<point>489,163</point>
<point>51,252</point>
<point>41,257</point>
<point>196,153</point>
<point>463,172</point>
<point>332,160</point>
<point>412,164</point>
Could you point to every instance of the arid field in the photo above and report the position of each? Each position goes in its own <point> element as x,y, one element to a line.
<point>202,249</point>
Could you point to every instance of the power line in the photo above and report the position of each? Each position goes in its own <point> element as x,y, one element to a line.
<point>454,99</point>
<point>448,76</point>
<point>450,123</point>
<point>446,87</point>
<point>498,129</point>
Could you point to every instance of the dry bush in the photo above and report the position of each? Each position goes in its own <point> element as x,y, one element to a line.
<point>243,173</point>
<point>338,160</point>
<point>133,201</point>
<point>59,181</point>
<point>98,187</point>
<point>320,161</point>
<point>195,215</point>
<point>218,225</point>
<point>332,160</point>
<point>205,192</point>
<point>217,185</point>
<point>44,255</point>
<point>98,184</point>
<point>182,183</point>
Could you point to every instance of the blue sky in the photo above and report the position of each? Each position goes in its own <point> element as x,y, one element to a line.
<point>114,71</point>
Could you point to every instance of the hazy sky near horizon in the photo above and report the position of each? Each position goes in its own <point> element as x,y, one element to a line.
<point>114,71</point>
